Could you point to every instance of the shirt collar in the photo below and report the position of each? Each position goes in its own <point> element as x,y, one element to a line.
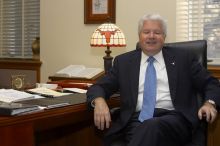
<point>158,58</point>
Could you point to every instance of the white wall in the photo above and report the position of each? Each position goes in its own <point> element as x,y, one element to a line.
<point>65,38</point>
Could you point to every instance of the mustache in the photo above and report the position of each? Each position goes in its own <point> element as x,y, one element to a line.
<point>151,42</point>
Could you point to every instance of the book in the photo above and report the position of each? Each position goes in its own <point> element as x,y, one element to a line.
<point>79,71</point>
<point>16,108</point>
<point>11,95</point>
<point>48,103</point>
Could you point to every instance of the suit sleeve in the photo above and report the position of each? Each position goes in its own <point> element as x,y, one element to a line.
<point>205,83</point>
<point>106,86</point>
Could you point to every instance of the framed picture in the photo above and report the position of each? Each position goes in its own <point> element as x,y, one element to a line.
<point>99,11</point>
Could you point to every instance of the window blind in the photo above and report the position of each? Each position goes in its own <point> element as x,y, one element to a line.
<point>19,26</point>
<point>199,19</point>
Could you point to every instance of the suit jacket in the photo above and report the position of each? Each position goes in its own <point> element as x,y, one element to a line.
<point>186,78</point>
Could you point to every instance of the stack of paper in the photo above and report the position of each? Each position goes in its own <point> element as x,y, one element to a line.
<point>11,95</point>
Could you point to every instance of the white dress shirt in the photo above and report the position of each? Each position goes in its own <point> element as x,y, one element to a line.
<point>163,99</point>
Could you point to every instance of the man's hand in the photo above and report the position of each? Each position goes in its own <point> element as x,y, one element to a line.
<point>208,111</point>
<point>102,117</point>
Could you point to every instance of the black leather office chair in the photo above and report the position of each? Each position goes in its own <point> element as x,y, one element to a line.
<point>199,47</point>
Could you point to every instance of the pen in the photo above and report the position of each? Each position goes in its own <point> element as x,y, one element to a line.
<point>46,95</point>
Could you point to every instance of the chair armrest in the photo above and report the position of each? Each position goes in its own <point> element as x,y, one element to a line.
<point>115,113</point>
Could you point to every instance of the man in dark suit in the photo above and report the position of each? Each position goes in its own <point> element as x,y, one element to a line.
<point>179,77</point>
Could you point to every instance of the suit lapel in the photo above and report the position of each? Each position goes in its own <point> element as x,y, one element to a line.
<point>171,66</point>
<point>134,69</point>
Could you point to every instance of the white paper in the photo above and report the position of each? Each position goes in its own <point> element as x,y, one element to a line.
<point>11,95</point>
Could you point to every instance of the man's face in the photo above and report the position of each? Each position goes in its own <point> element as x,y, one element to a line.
<point>151,37</point>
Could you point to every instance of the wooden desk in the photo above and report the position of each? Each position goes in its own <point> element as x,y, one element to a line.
<point>214,132</point>
<point>214,129</point>
<point>66,126</point>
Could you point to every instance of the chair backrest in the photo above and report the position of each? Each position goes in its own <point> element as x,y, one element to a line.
<point>198,47</point>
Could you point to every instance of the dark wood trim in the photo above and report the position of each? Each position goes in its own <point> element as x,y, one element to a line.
<point>213,133</point>
<point>215,70</point>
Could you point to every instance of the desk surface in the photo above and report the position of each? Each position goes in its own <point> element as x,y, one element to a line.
<point>62,126</point>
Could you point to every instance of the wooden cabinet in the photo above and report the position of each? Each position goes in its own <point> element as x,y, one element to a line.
<point>214,128</point>
<point>28,67</point>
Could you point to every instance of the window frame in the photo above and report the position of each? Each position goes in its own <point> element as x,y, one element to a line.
<point>14,44</point>
<point>191,15</point>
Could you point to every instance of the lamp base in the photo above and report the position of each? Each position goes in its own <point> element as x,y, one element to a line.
<point>107,60</point>
<point>107,63</point>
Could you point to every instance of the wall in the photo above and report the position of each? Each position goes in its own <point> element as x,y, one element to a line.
<point>65,38</point>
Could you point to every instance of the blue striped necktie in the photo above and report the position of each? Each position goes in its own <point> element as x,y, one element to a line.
<point>149,96</point>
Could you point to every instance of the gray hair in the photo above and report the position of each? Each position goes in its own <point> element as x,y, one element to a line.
<point>154,17</point>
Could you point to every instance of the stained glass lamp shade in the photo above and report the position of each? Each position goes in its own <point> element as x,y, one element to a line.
<point>108,35</point>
